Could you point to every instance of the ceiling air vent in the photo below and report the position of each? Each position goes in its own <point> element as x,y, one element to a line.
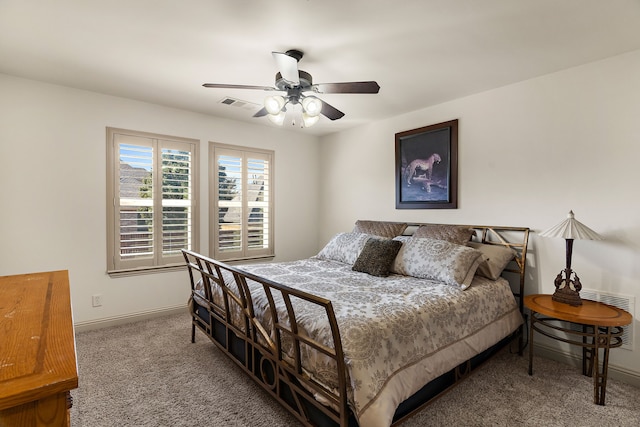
<point>246,105</point>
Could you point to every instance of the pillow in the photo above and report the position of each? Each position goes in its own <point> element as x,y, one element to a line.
<point>438,260</point>
<point>457,234</point>
<point>345,247</point>
<point>377,257</point>
<point>380,228</point>
<point>496,259</point>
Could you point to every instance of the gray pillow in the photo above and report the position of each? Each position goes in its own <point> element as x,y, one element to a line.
<point>344,247</point>
<point>496,258</point>
<point>380,228</point>
<point>438,260</point>
<point>457,234</point>
<point>377,257</point>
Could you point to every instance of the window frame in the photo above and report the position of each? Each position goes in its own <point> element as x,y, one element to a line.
<point>116,266</point>
<point>245,253</point>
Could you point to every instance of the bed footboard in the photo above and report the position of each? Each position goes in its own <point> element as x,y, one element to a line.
<point>270,352</point>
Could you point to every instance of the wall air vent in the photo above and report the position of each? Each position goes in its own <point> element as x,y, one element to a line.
<point>625,302</point>
<point>245,105</point>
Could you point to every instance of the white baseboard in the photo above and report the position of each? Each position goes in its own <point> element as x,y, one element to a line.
<point>615,372</point>
<point>128,318</point>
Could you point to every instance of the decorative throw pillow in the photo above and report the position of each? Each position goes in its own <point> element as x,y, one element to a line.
<point>438,260</point>
<point>457,234</point>
<point>496,258</point>
<point>345,247</point>
<point>377,257</point>
<point>380,228</point>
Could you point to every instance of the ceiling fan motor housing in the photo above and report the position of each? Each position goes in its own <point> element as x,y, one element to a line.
<point>295,53</point>
<point>305,81</point>
<point>294,92</point>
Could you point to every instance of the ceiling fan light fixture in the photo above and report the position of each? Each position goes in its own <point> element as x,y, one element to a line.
<point>312,106</point>
<point>309,120</point>
<point>273,104</point>
<point>278,118</point>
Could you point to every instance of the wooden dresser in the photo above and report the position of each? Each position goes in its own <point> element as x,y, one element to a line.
<point>37,350</point>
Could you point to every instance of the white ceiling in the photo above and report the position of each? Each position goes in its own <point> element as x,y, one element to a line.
<point>421,52</point>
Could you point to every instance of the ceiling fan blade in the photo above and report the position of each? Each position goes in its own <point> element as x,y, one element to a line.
<point>288,66</point>
<point>331,112</point>
<point>225,86</point>
<point>263,112</point>
<point>347,87</point>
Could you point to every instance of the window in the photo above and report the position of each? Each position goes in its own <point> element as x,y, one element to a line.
<point>151,200</point>
<point>241,214</point>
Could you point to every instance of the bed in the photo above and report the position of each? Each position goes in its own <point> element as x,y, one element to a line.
<point>380,322</point>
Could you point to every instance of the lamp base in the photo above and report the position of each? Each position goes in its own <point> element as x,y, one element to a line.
<point>567,290</point>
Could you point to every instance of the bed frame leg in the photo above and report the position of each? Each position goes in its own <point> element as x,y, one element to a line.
<point>193,330</point>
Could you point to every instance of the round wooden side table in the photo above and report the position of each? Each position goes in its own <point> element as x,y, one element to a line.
<point>601,330</point>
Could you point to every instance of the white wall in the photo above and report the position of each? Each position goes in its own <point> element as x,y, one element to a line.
<point>53,192</point>
<point>528,153</point>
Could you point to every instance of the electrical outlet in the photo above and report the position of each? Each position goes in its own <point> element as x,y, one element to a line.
<point>96,300</point>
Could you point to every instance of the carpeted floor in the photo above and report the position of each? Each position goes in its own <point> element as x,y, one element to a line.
<point>149,374</point>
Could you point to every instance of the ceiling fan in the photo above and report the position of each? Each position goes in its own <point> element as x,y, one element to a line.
<point>297,83</point>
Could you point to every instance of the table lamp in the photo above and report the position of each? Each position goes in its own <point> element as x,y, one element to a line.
<point>568,288</point>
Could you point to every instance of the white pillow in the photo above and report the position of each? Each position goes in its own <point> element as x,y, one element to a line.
<point>438,260</point>
<point>345,247</point>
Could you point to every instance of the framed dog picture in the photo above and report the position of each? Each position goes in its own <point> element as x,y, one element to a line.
<point>427,167</point>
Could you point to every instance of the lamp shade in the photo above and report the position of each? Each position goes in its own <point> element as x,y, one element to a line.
<point>273,104</point>
<point>571,228</point>
<point>309,120</point>
<point>312,106</point>
<point>277,119</point>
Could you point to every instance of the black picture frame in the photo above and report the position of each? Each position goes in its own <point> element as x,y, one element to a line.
<point>427,167</point>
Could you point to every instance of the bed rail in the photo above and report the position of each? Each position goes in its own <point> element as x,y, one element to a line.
<point>270,350</point>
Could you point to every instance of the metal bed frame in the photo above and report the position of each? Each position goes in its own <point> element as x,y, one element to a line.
<point>258,349</point>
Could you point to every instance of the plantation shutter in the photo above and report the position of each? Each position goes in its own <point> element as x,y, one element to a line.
<point>177,201</point>
<point>258,209</point>
<point>229,208</point>
<point>243,203</point>
<point>135,201</point>
<point>153,201</point>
